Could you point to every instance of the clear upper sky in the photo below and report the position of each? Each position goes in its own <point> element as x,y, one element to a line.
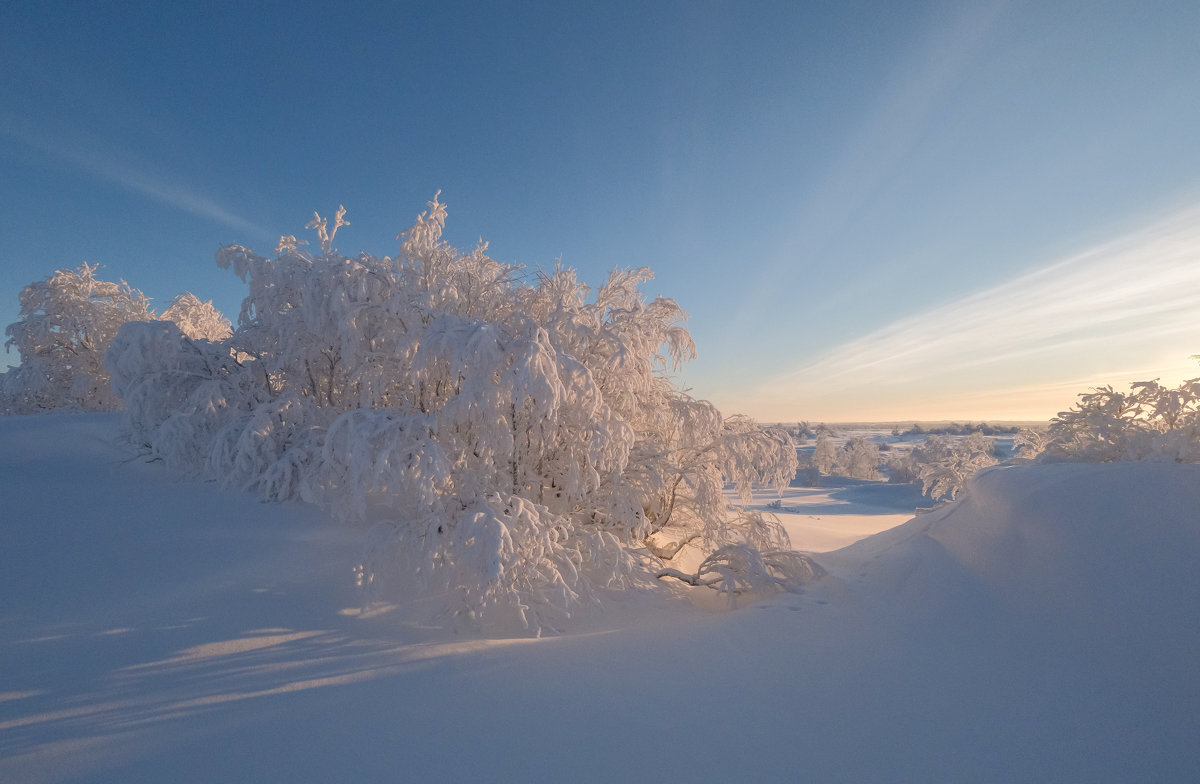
<point>872,210</point>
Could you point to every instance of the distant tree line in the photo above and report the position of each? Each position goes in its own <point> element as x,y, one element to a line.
<point>955,429</point>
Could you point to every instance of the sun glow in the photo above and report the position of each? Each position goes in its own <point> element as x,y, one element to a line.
<point>1123,311</point>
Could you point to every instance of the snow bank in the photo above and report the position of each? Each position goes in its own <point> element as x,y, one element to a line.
<point>1042,628</point>
<point>1085,543</point>
<point>1045,627</point>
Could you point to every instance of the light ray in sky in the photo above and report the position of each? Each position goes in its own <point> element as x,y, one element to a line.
<point>930,71</point>
<point>93,157</point>
<point>1117,313</point>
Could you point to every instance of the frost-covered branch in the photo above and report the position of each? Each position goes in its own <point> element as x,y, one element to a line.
<point>1149,422</point>
<point>738,569</point>
<point>520,444</point>
<point>66,324</point>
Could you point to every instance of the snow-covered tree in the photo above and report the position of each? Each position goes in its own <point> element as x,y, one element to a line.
<point>515,444</point>
<point>1029,442</point>
<point>197,319</point>
<point>946,466</point>
<point>859,458</point>
<point>943,464</point>
<point>66,325</point>
<point>825,453</point>
<point>1149,422</point>
<point>902,468</point>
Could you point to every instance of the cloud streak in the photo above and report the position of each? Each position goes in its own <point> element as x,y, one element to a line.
<point>928,73</point>
<point>95,158</point>
<point>1125,307</point>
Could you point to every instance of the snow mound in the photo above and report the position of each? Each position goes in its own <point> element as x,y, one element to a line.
<point>1076,543</point>
<point>1043,627</point>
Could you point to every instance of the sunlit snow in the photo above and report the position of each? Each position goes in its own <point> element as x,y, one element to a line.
<point>1041,628</point>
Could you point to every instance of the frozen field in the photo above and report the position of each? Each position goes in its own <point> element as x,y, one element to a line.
<point>1043,628</point>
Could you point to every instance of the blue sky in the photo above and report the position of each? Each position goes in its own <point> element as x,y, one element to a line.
<point>871,210</point>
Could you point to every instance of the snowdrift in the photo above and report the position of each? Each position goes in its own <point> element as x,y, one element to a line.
<point>1083,544</point>
<point>1042,628</point>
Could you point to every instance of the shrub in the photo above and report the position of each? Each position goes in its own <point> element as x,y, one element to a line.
<point>515,445</point>
<point>825,454</point>
<point>859,459</point>
<point>943,465</point>
<point>1150,422</point>
<point>67,323</point>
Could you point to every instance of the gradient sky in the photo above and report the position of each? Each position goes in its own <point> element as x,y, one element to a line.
<point>871,210</point>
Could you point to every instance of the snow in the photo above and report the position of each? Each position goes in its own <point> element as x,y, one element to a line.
<point>1043,627</point>
<point>840,511</point>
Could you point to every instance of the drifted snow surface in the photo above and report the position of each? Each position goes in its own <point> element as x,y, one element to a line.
<point>1044,628</point>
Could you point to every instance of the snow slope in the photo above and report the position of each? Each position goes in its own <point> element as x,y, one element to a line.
<point>1043,628</point>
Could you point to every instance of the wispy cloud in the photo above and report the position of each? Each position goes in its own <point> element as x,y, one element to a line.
<point>898,120</point>
<point>1128,308</point>
<point>108,163</point>
<point>871,152</point>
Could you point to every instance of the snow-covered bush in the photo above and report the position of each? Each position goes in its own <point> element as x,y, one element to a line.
<point>737,569</point>
<point>943,464</point>
<point>859,458</point>
<point>903,469</point>
<point>197,319</point>
<point>515,444</point>
<point>1029,442</point>
<point>66,325</point>
<point>807,473</point>
<point>825,454</point>
<point>1150,422</point>
<point>946,466</point>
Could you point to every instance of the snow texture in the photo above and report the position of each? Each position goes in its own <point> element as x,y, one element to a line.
<point>1043,627</point>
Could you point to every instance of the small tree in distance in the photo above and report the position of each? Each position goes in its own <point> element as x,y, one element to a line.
<point>945,466</point>
<point>859,458</point>
<point>515,445</point>
<point>825,453</point>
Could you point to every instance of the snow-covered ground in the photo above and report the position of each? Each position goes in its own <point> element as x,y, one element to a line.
<point>1043,628</point>
<point>840,511</point>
